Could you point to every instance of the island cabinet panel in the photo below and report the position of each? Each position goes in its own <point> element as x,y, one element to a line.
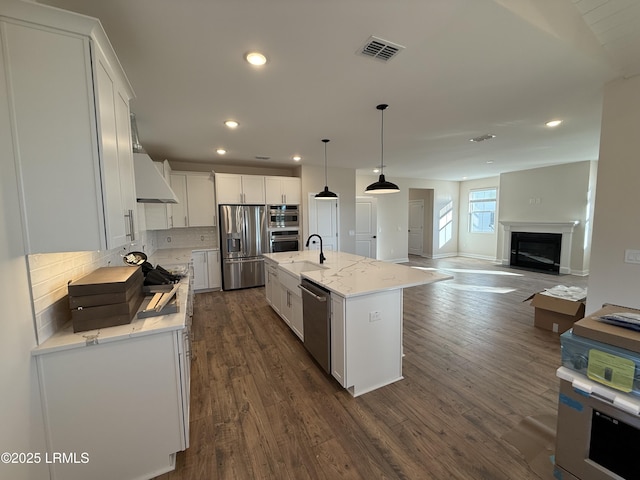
<point>123,403</point>
<point>273,288</point>
<point>70,130</point>
<point>366,340</point>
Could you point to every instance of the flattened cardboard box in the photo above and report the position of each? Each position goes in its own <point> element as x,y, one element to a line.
<point>555,314</point>
<point>590,327</point>
<point>104,316</point>
<point>106,280</point>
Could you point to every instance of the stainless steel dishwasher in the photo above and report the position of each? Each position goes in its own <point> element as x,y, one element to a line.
<point>316,322</point>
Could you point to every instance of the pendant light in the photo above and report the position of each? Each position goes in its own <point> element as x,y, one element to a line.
<point>326,194</point>
<point>382,186</point>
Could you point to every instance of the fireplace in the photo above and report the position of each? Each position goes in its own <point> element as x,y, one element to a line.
<point>563,229</point>
<point>536,251</point>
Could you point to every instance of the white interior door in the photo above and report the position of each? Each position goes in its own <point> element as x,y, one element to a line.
<point>323,220</point>
<point>366,227</point>
<point>416,226</point>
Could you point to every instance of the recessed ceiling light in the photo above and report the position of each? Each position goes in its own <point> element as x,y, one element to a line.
<point>376,170</point>
<point>231,123</point>
<point>255,58</point>
<point>553,123</point>
<point>489,161</point>
<point>221,151</point>
<point>296,158</point>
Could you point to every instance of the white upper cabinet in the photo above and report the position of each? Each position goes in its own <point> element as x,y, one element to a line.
<point>196,205</point>
<point>70,127</point>
<point>282,190</point>
<point>239,189</point>
<point>201,202</point>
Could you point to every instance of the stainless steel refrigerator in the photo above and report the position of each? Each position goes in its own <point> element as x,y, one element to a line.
<point>243,240</point>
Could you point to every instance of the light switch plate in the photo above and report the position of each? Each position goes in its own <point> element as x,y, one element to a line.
<point>375,317</point>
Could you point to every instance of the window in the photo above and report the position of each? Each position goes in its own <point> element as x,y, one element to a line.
<point>482,210</point>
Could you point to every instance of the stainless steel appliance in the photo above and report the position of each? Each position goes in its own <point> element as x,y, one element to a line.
<point>283,216</point>
<point>243,240</point>
<point>284,241</point>
<point>316,319</point>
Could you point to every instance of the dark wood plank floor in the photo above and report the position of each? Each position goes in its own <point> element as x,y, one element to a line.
<point>474,367</point>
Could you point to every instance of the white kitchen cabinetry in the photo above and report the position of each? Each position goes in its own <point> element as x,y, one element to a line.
<point>206,270</point>
<point>282,190</point>
<point>118,394</point>
<point>291,302</point>
<point>240,189</point>
<point>196,205</point>
<point>159,215</point>
<point>70,129</point>
<point>366,349</point>
<point>273,288</point>
<point>120,402</point>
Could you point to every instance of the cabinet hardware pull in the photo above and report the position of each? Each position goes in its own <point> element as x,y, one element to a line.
<point>131,233</point>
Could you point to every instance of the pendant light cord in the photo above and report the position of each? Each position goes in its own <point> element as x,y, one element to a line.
<point>382,141</point>
<point>326,178</point>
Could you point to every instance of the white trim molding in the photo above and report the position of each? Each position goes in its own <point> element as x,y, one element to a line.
<point>565,228</point>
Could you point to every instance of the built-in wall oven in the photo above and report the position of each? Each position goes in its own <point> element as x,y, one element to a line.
<point>284,241</point>
<point>283,216</point>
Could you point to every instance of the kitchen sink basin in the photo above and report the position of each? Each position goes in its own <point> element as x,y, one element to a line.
<point>304,266</point>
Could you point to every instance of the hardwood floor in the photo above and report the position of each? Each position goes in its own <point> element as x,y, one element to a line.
<point>474,367</point>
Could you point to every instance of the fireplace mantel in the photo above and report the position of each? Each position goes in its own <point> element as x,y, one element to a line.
<point>565,228</point>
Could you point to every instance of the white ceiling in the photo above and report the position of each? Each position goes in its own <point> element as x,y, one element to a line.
<point>469,67</point>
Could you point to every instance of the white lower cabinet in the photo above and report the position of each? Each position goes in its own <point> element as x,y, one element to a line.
<point>121,405</point>
<point>291,302</point>
<point>272,285</point>
<point>366,340</point>
<point>206,270</point>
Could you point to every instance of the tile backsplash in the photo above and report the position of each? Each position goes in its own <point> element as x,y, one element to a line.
<point>194,237</point>
<point>51,272</point>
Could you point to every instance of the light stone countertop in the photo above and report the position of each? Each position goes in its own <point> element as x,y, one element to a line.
<point>351,275</point>
<point>66,339</point>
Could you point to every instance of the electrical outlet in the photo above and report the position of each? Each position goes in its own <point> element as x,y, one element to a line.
<point>631,256</point>
<point>168,239</point>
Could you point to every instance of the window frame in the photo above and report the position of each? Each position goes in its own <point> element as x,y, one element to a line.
<point>472,212</point>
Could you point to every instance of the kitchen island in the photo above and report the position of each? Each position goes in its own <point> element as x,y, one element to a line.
<point>366,310</point>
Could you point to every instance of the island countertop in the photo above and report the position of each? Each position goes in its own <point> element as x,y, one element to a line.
<point>351,275</point>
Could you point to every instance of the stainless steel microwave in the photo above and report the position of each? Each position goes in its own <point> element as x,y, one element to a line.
<point>281,216</point>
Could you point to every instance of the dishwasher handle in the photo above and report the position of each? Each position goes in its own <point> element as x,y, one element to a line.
<point>319,298</point>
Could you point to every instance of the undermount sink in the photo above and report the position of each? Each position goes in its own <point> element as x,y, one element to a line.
<point>304,266</point>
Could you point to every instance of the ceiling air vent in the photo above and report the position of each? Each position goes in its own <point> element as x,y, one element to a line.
<point>380,49</point>
<point>262,157</point>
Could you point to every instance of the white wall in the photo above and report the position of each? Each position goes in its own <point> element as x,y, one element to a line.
<point>393,216</point>
<point>616,224</point>
<point>477,245</point>
<point>341,181</point>
<point>558,193</point>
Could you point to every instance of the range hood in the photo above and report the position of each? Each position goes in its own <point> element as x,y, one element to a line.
<point>151,187</point>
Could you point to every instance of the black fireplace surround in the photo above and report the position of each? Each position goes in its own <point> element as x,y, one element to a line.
<point>536,251</point>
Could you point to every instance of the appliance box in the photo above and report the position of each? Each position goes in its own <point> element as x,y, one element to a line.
<point>614,367</point>
<point>598,430</point>
<point>555,314</point>
<point>106,297</point>
<point>591,327</point>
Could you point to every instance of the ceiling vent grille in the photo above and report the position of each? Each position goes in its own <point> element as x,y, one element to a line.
<point>380,49</point>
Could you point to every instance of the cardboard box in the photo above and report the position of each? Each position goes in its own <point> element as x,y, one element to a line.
<point>106,280</point>
<point>594,439</point>
<point>555,314</point>
<point>107,297</point>
<point>590,327</point>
